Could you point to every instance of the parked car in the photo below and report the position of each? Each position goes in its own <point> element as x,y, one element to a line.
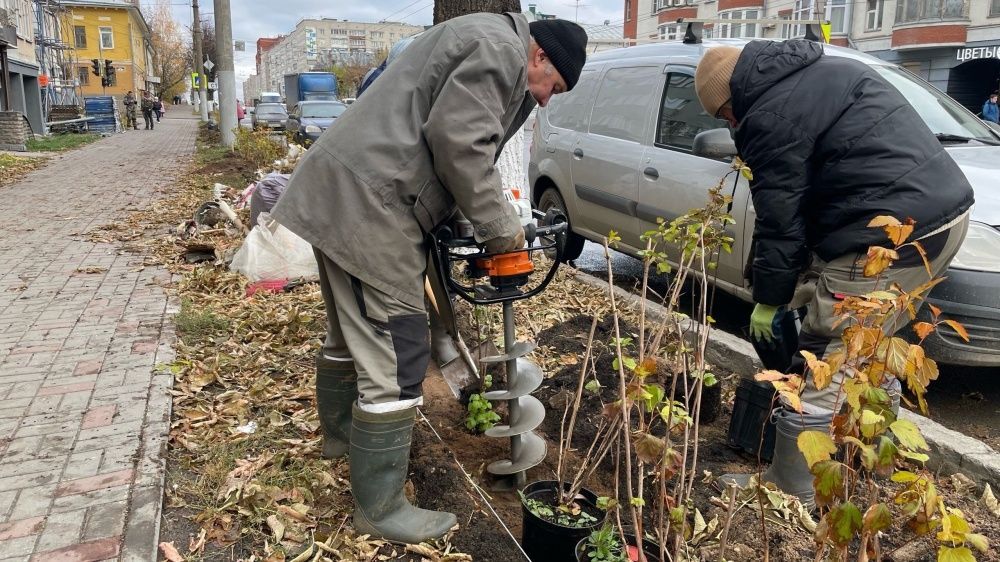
<point>270,115</point>
<point>631,143</point>
<point>309,119</point>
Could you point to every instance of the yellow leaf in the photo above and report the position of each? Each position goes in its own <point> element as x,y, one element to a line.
<point>770,376</point>
<point>960,554</point>
<point>816,446</point>
<point>792,400</point>
<point>869,422</point>
<point>979,542</point>
<point>990,501</point>
<point>879,259</point>
<point>923,329</point>
<point>935,311</point>
<point>883,220</point>
<point>923,255</point>
<point>962,333</point>
<point>898,233</point>
<point>909,435</point>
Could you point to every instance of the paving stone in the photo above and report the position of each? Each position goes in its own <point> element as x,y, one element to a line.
<point>61,530</point>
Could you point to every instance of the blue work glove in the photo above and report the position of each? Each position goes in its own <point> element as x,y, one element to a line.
<point>762,321</point>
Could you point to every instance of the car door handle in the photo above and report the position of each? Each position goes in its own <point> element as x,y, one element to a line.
<point>651,172</point>
<point>578,153</point>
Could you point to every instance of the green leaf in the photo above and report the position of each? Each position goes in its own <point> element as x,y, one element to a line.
<point>630,363</point>
<point>960,554</point>
<point>655,396</point>
<point>870,422</point>
<point>746,173</point>
<point>909,435</point>
<point>904,477</point>
<point>845,522</point>
<point>885,456</point>
<point>816,446</point>
<point>637,502</point>
<point>877,518</point>
<point>828,481</point>
<point>593,386</point>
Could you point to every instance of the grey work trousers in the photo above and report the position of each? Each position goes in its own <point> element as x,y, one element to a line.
<point>844,277</point>
<point>386,338</point>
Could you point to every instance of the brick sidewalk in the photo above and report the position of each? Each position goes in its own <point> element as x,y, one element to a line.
<point>83,417</point>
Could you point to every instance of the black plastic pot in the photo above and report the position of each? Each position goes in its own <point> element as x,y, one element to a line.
<point>649,548</point>
<point>545,541</point>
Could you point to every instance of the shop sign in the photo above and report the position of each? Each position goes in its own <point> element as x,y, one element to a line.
<point>972,53</point>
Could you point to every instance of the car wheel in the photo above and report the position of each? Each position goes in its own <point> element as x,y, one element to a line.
<point>551,199</point>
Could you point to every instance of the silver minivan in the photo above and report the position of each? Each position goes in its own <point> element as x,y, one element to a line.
<point>631,143</point>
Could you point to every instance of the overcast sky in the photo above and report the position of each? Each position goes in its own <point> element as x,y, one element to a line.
<point>267,18</point>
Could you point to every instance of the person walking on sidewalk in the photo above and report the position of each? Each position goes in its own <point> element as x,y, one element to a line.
<point>822,169</point>
<point>991,112</point>
<point>157,108</point>
<point>147,109</point>
<point>131,120</point>
<point>422,140</point>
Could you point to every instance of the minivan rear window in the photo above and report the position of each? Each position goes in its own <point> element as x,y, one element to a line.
<point>622,104</point>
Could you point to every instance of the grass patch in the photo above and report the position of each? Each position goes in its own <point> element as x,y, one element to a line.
<point>195,325</point>
<point>62,142</point>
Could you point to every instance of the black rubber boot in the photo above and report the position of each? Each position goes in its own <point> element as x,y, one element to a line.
<point>380,458</point>
<point>336,391</point>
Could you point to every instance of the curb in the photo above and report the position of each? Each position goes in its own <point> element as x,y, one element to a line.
<point>952,451</point>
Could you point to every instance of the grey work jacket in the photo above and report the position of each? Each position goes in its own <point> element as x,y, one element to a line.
<point>424,138</point>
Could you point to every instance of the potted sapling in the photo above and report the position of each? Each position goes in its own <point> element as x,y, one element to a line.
<point>558,513</point>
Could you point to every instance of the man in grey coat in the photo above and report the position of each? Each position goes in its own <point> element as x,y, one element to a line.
<point>419,145</point>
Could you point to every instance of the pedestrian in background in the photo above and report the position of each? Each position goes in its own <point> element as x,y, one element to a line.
<point>147,109</point>
<point>157,108</point>
<point>422,141</point>
<point>991,112</point>
<point>831,145</point>
<point>131,116</point>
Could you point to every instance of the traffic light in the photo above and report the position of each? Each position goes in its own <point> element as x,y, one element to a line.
<point>96,66</point>
<point>109,70</point>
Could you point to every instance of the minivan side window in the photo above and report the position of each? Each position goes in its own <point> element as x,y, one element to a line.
<point>622,104</point>
<point>571,110</point>
<point>681,114</point>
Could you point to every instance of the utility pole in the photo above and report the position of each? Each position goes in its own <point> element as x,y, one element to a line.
<point>226,75</point>
<point>202,90</point>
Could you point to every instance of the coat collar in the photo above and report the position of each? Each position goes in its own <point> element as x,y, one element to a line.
<point>520,25</point>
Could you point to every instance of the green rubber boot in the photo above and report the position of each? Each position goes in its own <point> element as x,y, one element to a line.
<point>380,458</point>
<point>336,391</point>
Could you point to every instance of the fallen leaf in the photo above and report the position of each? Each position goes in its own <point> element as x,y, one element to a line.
<point>170,552</point>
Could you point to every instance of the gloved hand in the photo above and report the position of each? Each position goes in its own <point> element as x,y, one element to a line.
<point>762,322</point>
<point>506,244</point>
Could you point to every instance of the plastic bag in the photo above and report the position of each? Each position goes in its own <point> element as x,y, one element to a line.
<point>272,252</point>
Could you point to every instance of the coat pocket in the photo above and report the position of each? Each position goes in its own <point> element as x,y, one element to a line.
<point>432,206</point>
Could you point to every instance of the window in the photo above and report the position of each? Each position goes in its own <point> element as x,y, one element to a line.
<point>622,105</point>
<point>994,8</point>
<point>731,30</point>
<point>873,16</point>
<point>660,4</point>
<point>836,13</point>
<point>83,75</point>
<point>670,32</point>
<point>786,28</point>
<point>803,11</point>
<point>107,38</point>
<point>572,109</point>
<point>908,11</point>
<point>80,36</point>
<point>628,10</point>
<point>681,115</point>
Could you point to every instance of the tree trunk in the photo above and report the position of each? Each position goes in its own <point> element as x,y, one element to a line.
<point>446,9</point>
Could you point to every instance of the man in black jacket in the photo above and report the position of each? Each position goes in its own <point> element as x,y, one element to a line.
<point>831,145</point>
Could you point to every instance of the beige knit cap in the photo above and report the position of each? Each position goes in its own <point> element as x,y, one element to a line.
<point>711,79</point>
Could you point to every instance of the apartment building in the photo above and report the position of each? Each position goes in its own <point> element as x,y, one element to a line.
<point>109,30</point>
<point>954,44</point>
<point>323,42</point>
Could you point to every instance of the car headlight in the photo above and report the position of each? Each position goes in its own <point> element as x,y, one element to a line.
<point>981,249</point>
<point>313,129</point>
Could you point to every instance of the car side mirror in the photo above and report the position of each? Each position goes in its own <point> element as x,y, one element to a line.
<point>714,143</point>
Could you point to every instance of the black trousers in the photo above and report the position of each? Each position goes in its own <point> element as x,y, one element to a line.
<point>147,116</point>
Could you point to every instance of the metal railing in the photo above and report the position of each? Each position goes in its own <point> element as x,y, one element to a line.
<point>916,11</point>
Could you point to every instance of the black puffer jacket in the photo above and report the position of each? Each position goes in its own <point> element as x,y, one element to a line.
<point>831,145</point>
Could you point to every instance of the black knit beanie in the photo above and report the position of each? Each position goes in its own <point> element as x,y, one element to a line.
<point>565,43</point>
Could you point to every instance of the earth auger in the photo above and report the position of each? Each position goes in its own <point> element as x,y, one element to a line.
<point>506,275</point>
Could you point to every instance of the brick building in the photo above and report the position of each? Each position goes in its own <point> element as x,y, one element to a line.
<point>954,44</point>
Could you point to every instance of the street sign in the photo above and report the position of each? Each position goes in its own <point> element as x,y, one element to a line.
<point>209,65</point>
<point>213,85</point>
<point>240,46</point>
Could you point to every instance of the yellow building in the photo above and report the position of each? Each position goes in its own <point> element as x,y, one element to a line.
<point>108,30</point>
